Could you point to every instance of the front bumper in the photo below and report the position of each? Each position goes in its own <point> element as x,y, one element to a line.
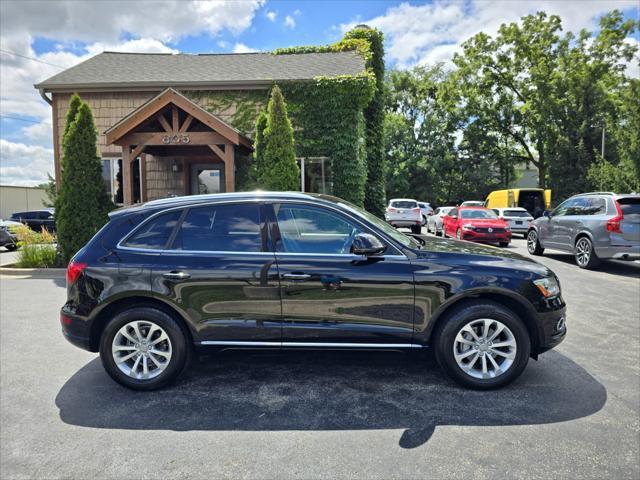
<point>472,236</point>
<point>552,328</point>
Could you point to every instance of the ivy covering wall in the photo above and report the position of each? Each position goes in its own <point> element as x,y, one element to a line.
<point>335,117</point>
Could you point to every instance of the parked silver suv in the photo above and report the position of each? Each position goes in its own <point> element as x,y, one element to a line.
<point>594,226</point>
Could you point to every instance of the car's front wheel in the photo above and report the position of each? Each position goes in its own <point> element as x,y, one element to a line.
<point>143,348</point>
<point>482,345</point>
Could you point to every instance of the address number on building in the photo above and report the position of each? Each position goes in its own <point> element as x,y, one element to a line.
<point>173,139</point>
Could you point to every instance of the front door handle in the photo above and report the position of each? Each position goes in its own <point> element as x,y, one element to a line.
<point>296,276</point>
<point>175,275</point>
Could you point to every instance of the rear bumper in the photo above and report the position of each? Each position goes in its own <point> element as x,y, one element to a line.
<point>619,252</point>
<point>404,223</point>
<point>75,329</point>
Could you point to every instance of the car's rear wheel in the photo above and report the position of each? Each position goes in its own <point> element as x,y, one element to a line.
<point>504,244</point>
<point>533,243</point>
<point>585,255</point>
<point>416,229</point>
<point>143,348</point>
<point>11,247</point>
<point>482,345</point>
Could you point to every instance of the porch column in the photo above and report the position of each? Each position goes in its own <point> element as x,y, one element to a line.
<point>127,187</point>
<point>229,168</point>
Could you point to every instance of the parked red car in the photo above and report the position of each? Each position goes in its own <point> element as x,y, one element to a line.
<point>476,224</point>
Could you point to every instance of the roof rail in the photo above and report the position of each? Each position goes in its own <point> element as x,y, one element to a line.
<point>595,193</point>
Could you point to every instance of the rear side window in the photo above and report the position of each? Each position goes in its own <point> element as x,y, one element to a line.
<point>404,204</point>
<point>156,232</point>
<point>220,228</point>
<point>629,206</point>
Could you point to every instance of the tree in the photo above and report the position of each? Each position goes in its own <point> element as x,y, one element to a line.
<point>82,204</point>
<point>545,97</point>
<point>276,167</point>
<point>50,191</point>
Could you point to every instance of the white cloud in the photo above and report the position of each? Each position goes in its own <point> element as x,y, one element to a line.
<point>271,15</point>
<point>39,133</point>
<point>289,21</point>
<point>22,164</point>
<point>242,48</point>
<point>432,32</point>
<point>71,20</point>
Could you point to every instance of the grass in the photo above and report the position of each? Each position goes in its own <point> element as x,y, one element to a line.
<point>37,250</point>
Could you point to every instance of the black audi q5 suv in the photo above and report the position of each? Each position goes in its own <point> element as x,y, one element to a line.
<point>172,278</point>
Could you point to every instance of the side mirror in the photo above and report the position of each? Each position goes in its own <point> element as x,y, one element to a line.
<point>547,213</point>
<point>367,244</point>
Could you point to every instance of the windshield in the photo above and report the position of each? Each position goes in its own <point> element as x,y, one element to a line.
<point>400,237</point>
<point>477,214</point>
<point>516,213</point>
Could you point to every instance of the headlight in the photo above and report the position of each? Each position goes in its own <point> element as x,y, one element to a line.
<point>468,227</point>
<point>548,286</point>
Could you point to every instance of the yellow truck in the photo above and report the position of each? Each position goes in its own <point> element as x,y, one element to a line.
<point>534,200</point>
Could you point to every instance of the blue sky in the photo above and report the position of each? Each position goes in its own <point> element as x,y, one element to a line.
<point>40,38</point>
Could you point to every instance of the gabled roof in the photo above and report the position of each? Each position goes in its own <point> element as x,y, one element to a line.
<point>170,96</point>
<point>112,70</point>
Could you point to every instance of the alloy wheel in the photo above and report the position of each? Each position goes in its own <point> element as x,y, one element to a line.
<point>485,348</point>
<point>141,349</point>
<point>532,240</point>
<point>583,252</point>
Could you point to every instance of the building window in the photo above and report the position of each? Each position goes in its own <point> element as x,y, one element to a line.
<point>112,177</point>
<point>315,175</point>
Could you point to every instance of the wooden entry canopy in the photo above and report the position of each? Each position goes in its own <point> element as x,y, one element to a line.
<point>188,125</point>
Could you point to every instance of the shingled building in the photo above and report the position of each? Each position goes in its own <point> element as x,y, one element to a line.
<point>180,124</point>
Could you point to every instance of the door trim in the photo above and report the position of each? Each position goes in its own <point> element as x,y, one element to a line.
<point>310,344</point>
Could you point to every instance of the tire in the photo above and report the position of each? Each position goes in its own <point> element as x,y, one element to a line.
<point>424,220</point>
<point>438,233</point>
<point>533,243</point>
<point>514,357</point>
<point>175,346</point>
<point>416,229</point>
<point>11,247</point>
<point>584,254</point>
<point>504,244</point>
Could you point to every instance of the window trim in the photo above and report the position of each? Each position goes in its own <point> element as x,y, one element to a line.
<point>268,219</point>
<point>364,227</point>
<point>121,245</point>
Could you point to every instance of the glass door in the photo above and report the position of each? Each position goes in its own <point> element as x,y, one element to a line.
<point>207,178</point>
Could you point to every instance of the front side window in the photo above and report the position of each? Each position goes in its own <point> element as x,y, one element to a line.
<point>306,229</point>
<point>220,228</point>
<point>155,233</point>
<point>562,209</point>
<point>453,212</point>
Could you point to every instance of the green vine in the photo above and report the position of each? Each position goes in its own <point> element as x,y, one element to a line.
<point>242,106</point>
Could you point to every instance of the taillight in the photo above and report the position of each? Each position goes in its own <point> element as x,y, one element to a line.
<point>64,320</point>
<point>391,209</point>
<point>417,209</point>
<point>73,271</point>
<point>613,224</point>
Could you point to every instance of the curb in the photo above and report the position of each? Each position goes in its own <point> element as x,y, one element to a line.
<point>33,272</point>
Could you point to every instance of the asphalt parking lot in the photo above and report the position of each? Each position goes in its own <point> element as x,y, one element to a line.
<point>573,414</point>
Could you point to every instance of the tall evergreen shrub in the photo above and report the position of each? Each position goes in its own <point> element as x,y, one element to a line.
<point>276,168</point>
<point>82,204</point>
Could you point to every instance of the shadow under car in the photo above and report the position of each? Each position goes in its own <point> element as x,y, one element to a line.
<point>321,390</point>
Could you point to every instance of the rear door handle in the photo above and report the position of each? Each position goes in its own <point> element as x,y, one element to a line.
<point>296,276</point>
<point>174,275</point>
